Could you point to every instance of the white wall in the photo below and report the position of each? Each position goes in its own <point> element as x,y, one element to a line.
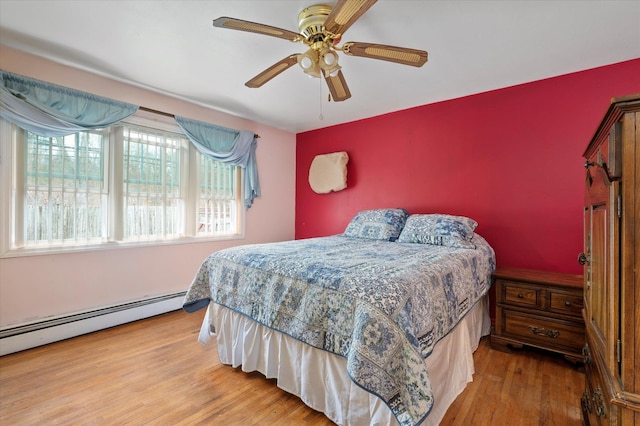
<point>37,287</point>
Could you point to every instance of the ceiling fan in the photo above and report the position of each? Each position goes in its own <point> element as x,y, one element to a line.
<point>321,29</point>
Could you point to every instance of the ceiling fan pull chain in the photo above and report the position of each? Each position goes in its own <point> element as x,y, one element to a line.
<point>321,117</point>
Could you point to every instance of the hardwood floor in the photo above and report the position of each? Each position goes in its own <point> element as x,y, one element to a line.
<point>155,372</point>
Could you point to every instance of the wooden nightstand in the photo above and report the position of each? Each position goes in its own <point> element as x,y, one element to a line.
<point>540,309</point>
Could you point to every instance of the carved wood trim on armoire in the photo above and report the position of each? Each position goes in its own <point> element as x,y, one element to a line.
<point>612,268</point>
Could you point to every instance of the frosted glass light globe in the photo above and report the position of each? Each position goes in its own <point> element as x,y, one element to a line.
<point>306,63</point>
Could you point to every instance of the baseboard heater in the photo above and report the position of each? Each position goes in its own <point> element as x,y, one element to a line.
<point>38,333</point>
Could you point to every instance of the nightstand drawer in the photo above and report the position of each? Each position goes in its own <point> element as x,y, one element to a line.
<point>542,331</point>
<point>517,294</point>
<point>566,303</point>
<point>538,308</point>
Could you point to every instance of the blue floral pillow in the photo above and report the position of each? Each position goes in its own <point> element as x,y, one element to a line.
<point>440,230</point>
<point>380,224</point>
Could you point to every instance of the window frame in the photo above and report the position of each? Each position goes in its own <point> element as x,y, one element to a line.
<point>11,186</point>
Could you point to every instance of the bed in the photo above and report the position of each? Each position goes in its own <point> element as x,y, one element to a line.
<point>376,325</point>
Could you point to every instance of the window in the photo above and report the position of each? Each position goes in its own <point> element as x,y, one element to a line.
<point>63,189</point>
<point>153,200</point>
<point>218,205</point>
<point>136,182</point>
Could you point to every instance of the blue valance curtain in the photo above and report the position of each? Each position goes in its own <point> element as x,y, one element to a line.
<point>53,111</point>
<point>228,146</point>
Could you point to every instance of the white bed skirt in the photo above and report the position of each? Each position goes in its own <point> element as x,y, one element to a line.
<point>320,379</point>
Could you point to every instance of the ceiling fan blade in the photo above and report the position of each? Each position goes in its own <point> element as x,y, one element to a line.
<point>345,13</point>
<point>253,27</point>
<point>338,87</point>
<point>272,71</point>
<point>400,55</point>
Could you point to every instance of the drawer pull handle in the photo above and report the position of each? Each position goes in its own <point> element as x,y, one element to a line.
<point>598,401</point>
<point>586,354</point>
<point>544,332</point>
<point>586,401</point>
<point>520,296</point>
<point>567,303</point>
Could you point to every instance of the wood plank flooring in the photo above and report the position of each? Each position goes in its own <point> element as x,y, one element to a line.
<point>154,372</point>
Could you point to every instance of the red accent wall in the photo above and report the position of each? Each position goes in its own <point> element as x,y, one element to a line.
<point>510,159</point>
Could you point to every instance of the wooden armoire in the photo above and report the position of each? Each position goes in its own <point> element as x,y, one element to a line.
<point>611,262</point>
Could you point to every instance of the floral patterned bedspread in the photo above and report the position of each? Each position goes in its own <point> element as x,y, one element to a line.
<point>381,305</point>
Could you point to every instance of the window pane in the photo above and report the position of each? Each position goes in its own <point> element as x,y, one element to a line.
<point>218,199</point>
<point>65,201</point>
<point>153,204</point>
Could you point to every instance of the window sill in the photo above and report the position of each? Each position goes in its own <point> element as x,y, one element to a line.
<point>114,245</point>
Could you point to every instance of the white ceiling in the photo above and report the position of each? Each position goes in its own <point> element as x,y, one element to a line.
<point>474,46</point>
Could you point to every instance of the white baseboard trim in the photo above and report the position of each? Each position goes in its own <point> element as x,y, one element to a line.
<point>26,336</point>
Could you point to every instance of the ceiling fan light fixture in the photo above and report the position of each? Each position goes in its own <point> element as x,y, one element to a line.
<point>308,61</point>
<point>330,58</point>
